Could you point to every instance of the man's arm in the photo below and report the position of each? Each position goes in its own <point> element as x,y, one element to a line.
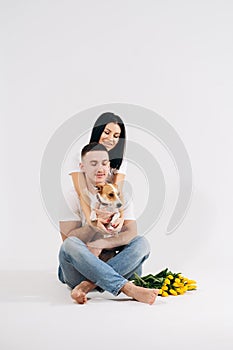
<point>67,226</point>
<point>128,232</point>
<point>74,228</point>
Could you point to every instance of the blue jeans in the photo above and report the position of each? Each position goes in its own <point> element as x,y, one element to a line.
<point>78,264</point>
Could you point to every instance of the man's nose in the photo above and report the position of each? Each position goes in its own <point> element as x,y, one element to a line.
<point>100,167</point>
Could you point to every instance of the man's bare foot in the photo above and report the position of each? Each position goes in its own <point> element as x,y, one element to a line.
<point>141,294</point>
<point>79,293</point>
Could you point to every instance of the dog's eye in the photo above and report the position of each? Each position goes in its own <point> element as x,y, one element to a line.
<point>111,194</point>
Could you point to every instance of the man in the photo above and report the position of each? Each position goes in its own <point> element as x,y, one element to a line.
<point>81,266</point>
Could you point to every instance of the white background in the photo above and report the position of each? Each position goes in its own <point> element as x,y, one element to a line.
<point>61,57</point>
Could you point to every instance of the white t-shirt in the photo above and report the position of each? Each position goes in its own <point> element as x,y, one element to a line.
<point>77,214</point>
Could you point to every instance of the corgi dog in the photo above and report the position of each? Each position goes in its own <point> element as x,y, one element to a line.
<point>106,199</point>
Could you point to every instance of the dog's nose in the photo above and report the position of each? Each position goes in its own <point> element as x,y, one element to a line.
<point>119,205</point>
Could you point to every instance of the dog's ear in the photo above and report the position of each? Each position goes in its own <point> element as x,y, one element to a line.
<point>99,188</point>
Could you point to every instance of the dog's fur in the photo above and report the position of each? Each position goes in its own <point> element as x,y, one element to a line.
<point>107,199</point>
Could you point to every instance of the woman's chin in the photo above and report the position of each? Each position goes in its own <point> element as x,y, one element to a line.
<point>108,147</point>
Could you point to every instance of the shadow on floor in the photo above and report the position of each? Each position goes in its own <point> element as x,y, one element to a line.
<point>44,286</point>
<point>31,286</point>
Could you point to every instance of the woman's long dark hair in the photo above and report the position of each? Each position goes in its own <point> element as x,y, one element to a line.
<point>116,154</point>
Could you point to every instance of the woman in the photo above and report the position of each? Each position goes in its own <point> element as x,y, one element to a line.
<point>108,130</point>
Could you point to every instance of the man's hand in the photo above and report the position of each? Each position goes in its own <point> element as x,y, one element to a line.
<point>95,251</point>
<point>117,226</point>
<point>114,228</point>
<point>97,246</point>
<point>100,225</point>
<point>103,218</point>
<point>104,214</point>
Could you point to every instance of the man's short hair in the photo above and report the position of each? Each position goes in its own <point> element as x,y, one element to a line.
<point>93,146</point>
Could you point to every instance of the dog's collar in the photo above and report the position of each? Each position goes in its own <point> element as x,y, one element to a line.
<point>100,200</point>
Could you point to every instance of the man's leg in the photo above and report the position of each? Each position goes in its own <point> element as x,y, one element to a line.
<point>127,262</point>
<point>75,252</point>
<point>131,257</point>
<point>76,261</point>
<point>68,274</point>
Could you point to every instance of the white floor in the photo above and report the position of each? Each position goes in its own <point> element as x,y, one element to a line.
<point>37,313</point>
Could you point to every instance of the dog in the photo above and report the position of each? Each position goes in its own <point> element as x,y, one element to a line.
<point>107,199</point>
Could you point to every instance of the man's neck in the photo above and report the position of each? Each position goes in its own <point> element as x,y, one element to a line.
<point>91,186</point>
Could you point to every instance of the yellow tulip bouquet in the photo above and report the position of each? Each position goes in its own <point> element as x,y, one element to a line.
<point>168,282</point>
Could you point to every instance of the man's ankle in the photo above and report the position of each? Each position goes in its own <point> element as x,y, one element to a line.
<point>127,288</point>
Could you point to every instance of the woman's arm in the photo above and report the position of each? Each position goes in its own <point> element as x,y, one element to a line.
<point>119,181</point>
<point>80,186</point>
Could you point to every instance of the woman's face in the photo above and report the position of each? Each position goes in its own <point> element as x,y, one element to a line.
<point>110,136</point>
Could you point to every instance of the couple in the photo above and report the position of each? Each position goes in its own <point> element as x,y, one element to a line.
<point>87,259</point>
